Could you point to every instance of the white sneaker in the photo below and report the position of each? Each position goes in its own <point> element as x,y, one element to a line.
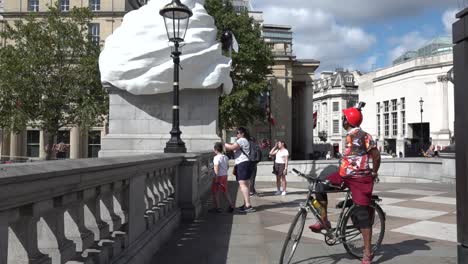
<point>278,192</point>
<point>283,193</point>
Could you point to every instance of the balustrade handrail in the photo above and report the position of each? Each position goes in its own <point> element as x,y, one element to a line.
<point>75,174</point>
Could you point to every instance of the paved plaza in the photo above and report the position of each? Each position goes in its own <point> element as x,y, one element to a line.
<point>420,228</point>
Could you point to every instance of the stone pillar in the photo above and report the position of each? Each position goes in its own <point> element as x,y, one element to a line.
<point>15,145</point>
<point>443,79</point>
<point>460,60</point>
<point>5,148</point>
<point>75,143</point>
<point>42,144</point>
<point>140,124</point>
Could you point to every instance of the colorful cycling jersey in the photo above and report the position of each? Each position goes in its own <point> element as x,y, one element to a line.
<point>356,158</point>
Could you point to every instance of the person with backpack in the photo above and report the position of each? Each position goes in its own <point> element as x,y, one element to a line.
<point>243,168</point>
<point>220,182</point>
<point>281,166</point>
<point>256,158</point>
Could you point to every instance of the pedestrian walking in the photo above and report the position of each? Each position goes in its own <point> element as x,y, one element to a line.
<point>281,166</point>
<point>243,168</point>
<point>220,183</point>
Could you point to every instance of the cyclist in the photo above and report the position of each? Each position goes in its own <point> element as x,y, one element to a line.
<point>355,173</point>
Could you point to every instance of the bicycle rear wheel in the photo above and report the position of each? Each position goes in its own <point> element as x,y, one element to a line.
<point>293,237</point>
<point>352,238</point>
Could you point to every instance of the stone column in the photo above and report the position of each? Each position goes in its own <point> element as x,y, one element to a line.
<point>75,143</point>
<point>460,63</point>
<point>42,144</point>
<point>443,79</point>
<point>5,149</point>
<point>15,145</point>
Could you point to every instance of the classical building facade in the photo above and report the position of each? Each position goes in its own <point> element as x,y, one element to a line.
<point>72,142</point>
<point>290,95</point>
<point>410,104</point>
<point>333,92</point>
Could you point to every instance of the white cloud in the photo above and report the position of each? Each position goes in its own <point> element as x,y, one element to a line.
<point>356,11</point>
<point>410,41</point>
<point>448,18</point>
<point>317,35</point>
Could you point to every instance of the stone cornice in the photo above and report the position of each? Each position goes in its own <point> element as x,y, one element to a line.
<point>412,69</point>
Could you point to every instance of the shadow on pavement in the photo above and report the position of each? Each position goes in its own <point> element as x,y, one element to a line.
<point>204,240</point>
<point>387,252</point>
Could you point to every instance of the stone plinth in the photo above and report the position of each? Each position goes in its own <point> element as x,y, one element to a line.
<point>140,124</point>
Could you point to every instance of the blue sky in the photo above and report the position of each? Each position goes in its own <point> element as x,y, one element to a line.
<point>362,34</point>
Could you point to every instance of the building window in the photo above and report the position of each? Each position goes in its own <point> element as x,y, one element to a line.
<point>386,125</point>
<point>336,126</point>
<point>403,123</point>
<point>394,104</point>
<point>385,106</point>
<point>378,125</point>
<point>336,106</point>
<point>94,143</point>
<point>94,33</point>
<point>33,5</point>
<point>64,5</point>
<point>394,124</point>
<point>95,5</point>
<point>378,107</point>
<point>402,100</point>
<point>32,143</point>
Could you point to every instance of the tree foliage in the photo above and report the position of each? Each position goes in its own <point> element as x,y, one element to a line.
<point>250,66</point>
<point>49,75</point>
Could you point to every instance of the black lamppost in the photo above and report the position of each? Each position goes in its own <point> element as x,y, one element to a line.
<point>421,101</point>
<point>269,110</point>
<point>176,19</point>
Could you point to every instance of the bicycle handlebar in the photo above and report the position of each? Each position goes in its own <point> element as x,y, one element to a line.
<point>304,176</point>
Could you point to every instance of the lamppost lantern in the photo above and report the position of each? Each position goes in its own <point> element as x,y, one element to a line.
<point>421,102</point>
<point>176,19</point>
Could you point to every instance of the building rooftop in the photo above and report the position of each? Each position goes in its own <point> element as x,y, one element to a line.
<point>277,26</point>
<point>438,45</point>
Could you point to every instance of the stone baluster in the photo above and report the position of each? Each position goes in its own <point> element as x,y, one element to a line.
<point>156,194</point>
<point>168,188</point>
<point>118,234</point>
<point>23,237</point>
<point>74,222</point>
<point>150,201</point>
<point>51,230</point>
<point>99,252</point>
<point>161,194</point>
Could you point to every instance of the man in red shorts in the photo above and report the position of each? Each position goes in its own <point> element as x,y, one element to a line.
<point>356,174</point>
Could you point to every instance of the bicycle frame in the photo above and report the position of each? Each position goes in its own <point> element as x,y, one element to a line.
<point>332,233</point>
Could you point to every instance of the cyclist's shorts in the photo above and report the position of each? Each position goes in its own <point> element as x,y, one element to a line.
<point>361,187</point>
<point>219,184</point>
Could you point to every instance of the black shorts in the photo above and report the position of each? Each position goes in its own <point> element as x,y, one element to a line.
<point>244,171</point>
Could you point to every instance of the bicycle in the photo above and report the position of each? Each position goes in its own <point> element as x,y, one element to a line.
<point>345,232</point>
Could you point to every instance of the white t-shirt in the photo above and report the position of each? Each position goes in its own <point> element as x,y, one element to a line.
<point>223,165</point>
<point>281,156</point>
<point>238,155</point>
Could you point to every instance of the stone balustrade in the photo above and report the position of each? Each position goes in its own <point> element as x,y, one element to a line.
<point>108,210</point>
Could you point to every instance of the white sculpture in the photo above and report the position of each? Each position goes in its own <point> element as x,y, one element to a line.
<point>136,57</point>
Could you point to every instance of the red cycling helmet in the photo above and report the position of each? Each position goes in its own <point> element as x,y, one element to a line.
<point>354,115</point>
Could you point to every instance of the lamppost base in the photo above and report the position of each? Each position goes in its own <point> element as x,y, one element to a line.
<point>175,147</point>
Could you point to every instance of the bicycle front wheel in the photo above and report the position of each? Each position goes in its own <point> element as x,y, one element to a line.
<point>293,237</point>
<point>352,238</point>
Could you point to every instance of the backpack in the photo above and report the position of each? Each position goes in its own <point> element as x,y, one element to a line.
<point>255,153</point>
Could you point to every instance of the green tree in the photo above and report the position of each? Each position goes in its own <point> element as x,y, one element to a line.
<point>49,75</point>
<point>250,66</point>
